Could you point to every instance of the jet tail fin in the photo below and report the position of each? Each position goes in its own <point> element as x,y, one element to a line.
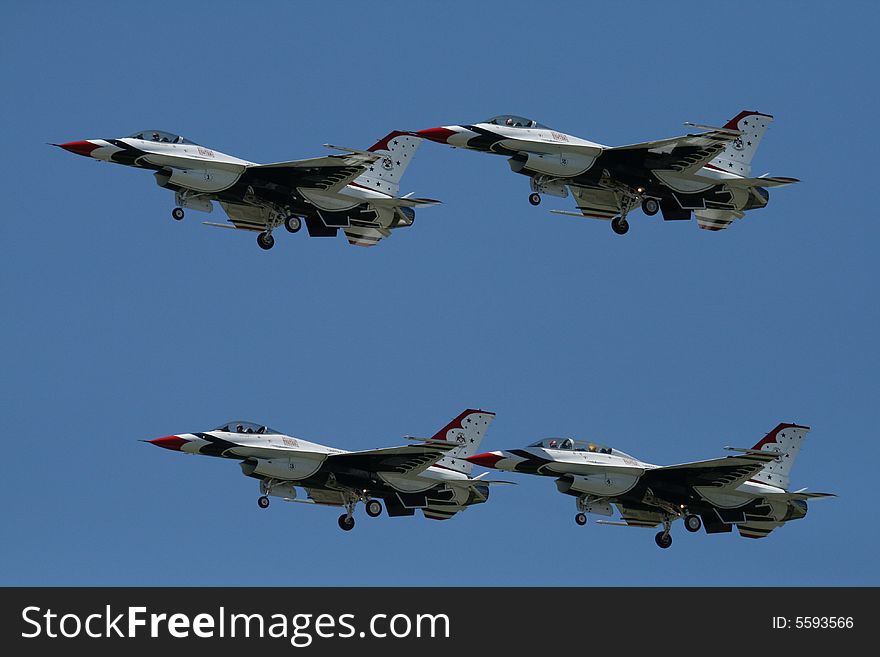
<point>398,149</point>
<point>787,439</point>
<point>468,429</point>
<point>737,154</point>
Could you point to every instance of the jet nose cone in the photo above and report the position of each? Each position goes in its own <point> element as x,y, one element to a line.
<point>79,147</point>
<point>487,460</point>
<point>440,135</point>
<point>169,442</point>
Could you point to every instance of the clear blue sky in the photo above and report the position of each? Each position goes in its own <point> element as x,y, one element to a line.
<point>120,324</point>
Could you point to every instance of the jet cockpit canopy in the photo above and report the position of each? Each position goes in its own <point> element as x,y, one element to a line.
<point>513,121</point>
<point>572,445</point>
<point>161,136</point>
<point>241,426</point>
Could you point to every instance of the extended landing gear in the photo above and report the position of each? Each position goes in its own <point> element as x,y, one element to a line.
<point>346,520</point>
<point>265,240</point>
<point>664,539</point>
<point>581,519</point>
<point>650,206</point>
<point>263,502</point>
<point>619,225</point>
<point>292,223</point>
<point>535,199</point>
<point>177,214</point>
<point>374,508</point>
<point>627,199</point>
<point>692,523</point>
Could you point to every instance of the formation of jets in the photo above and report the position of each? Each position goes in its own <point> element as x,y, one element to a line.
<point>707,174</point>
<point>749,490</point>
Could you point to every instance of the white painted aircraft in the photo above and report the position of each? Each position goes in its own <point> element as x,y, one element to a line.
<point>749,490</point>
<point>432,475</point>
<point>357,192</point>
<point>707,173</point>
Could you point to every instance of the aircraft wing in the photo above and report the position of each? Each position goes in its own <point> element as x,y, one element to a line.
<point>687,153</point>
<point>407,459</point>
<point>729,471</point>
<point>330,173</point>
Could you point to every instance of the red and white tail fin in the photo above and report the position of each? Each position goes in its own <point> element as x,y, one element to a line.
<point>787,439</point>
<point>468,430</point>
<point>737,155</point>
<point>398,149</point>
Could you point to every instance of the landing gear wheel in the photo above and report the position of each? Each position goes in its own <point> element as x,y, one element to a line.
<point>663,539</point>
<point>374,508</point>
<point>692,523</point>
<point>177,214</point>
<point>265,241</point>
<point>293,224</point>
<point>535,199</point>
<point>619,226</point>
<point>263,502</point>
<point>650,206</point>
<point>346,522</point>
<point>581,519</point>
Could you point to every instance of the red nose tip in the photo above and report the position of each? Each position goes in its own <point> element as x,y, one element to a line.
<point>440,135</point>
<point>487,460</point>
<point>169,442</point>
<point>79,147</point>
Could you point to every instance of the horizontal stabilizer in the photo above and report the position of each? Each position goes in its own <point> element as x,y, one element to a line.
<point>763,181</point>
<point>799,495</point>
<point>480,476</point>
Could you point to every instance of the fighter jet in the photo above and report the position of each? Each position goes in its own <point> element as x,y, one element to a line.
<point>432,475</point>
<point>357,192</point>
<point>749,490</point>
<point>707,173</point>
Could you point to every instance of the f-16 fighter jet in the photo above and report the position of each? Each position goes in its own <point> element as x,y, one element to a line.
<point>432,475</point>
<point>749,490</point>
<point>357,192</point>
<point>707,173</point>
